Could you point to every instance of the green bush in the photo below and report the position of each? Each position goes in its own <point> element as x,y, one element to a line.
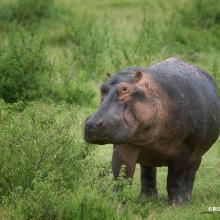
<point>23,65</point>
<point>26,11</point>
<point>35,142</point>
<point>194,28</point>
<point>72,88</point>
<point>45,169</point>
<point>80,93</point>
<point>50,198</point>
<point>202,13</point>
<point>5,11</point>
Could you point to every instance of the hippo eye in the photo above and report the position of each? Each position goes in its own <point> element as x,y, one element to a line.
<point>124,89</point>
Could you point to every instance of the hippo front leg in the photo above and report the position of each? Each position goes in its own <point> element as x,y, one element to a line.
<point>117,163</point>
<point>176,187</point>
<point>190,176</point>
<point>124,155</point>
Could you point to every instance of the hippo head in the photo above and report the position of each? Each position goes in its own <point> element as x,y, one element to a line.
<point>125,108</point>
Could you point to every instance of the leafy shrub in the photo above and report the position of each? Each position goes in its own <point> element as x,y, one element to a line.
<point>44,169</point>
<point>22,66</point>
<point>26,11</point>
<point>35,142</point>
<point>202,13</point>
<point>5,11</point>
<point>194,28</point>
<point>79,92</point>
<point>197,15</point>
<point>32,9</point>
<point>50,199</point>
<point>92,199</point>
<point>73,88</point>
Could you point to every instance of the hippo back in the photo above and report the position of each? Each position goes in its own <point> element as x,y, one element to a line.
<point>195,105</point>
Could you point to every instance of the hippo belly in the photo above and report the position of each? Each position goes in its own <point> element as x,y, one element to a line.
<point>157,155</point>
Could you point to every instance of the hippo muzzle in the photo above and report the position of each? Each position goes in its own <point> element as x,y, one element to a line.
<point>105,130</point>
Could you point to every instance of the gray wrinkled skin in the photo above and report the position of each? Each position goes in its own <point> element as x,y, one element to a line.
<point>172,118</point>
<point>194,100</point>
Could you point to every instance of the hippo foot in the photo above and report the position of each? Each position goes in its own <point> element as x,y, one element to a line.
<point>116,189</point>
<point>188,196</point>
<point>178,200</point>
<point>148,195</point>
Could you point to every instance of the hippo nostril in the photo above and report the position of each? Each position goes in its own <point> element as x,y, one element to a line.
<point>100,125</point>
<point>90,126</point>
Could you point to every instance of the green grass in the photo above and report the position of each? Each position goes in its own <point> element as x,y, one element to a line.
<point>205,194</point>
<point>46,170</point>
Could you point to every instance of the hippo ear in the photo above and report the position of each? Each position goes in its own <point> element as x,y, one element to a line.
<point>108,75</point>
<point>138,75</point>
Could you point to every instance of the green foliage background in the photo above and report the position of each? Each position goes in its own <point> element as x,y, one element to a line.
<point>53,56</point>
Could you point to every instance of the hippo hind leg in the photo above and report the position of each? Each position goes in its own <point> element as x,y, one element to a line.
<point>190,176</point>
<point>176,186</point>
<point>148,181</point>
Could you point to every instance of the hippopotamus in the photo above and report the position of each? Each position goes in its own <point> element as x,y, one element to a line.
<point>167,114</point>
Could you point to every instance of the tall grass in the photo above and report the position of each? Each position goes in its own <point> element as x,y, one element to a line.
<point>89,38</point>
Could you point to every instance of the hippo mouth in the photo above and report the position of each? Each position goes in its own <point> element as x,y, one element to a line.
<point>95,137</point>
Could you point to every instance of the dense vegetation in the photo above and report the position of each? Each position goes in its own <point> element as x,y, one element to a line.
<point>53,56</point>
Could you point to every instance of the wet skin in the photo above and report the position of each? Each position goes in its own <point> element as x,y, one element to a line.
<point>165,115</point>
